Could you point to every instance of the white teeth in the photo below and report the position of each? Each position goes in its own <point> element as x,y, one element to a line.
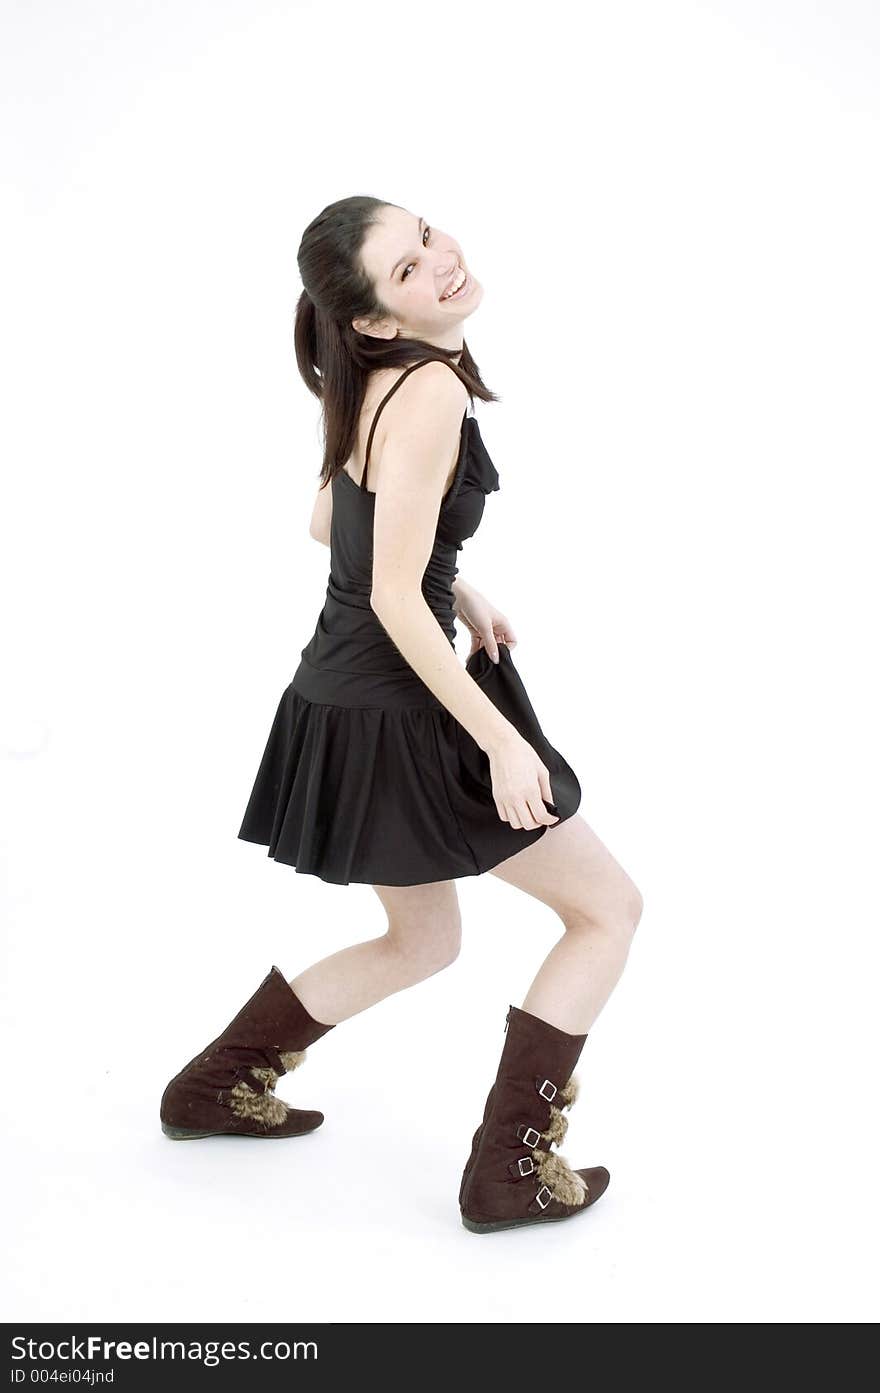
<point>453,290</point>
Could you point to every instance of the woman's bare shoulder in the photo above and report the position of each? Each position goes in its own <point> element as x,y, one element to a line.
<point>422,415</point>
<point>432,392</point>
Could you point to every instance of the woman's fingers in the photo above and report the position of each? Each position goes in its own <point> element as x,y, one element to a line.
<point>490,635</point>
<point>528,815</point>
<point>544,785</point>
<point>541,814</point>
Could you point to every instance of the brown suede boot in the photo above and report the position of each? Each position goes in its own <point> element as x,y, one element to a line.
<point>227,1089</point>
<point>475,1142</point>
<point>512,1176</point>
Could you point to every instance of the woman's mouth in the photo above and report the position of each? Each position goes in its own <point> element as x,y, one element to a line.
<point>463,288</point>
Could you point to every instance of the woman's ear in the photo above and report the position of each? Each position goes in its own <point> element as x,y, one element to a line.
<point>375,328</point>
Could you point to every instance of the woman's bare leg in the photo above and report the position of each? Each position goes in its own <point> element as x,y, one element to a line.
<point>573,872</point>
<point>423,936</point>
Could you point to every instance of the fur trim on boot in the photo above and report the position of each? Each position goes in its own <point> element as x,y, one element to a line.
<point>265,1107</point>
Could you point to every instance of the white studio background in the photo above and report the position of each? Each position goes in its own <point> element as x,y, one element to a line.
<point>674,210</point>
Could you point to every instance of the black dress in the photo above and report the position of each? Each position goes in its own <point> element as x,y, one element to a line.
<point>366,777</point>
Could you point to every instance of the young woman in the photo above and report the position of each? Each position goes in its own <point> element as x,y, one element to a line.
<point>391,763</point>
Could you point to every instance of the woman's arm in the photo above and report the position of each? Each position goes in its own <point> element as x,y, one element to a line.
<point>413,477</point>
<point>319,527</point>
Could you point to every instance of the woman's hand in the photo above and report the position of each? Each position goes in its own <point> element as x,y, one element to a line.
<point>488,626</point>
<point>520,784</point>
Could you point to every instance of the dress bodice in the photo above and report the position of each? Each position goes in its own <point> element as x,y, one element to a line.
<point>350,644</point>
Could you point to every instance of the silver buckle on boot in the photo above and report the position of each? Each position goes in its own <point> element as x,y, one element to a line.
<point>548,1096</point>
<point>522,1133</point>
<point>525,1161</point>
<point>544,1203</point>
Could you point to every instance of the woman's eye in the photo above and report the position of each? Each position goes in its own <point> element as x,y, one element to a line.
<point>426,233</point>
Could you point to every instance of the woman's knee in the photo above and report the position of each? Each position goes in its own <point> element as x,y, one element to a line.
<point>635,905</point>
<point>426,948</point>
<point>616,913</point>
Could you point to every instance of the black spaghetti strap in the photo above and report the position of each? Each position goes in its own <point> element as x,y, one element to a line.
<point>390,393</point>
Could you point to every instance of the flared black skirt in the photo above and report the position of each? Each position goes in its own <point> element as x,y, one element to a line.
<point>394,795</point>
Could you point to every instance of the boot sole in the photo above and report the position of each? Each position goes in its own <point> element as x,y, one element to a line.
<point>474,1227</point>
<point>188,1134</point>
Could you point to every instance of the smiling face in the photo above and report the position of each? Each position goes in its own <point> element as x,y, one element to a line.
<point>413,267</point>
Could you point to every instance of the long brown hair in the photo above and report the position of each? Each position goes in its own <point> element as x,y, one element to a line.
<point>334,360</point>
